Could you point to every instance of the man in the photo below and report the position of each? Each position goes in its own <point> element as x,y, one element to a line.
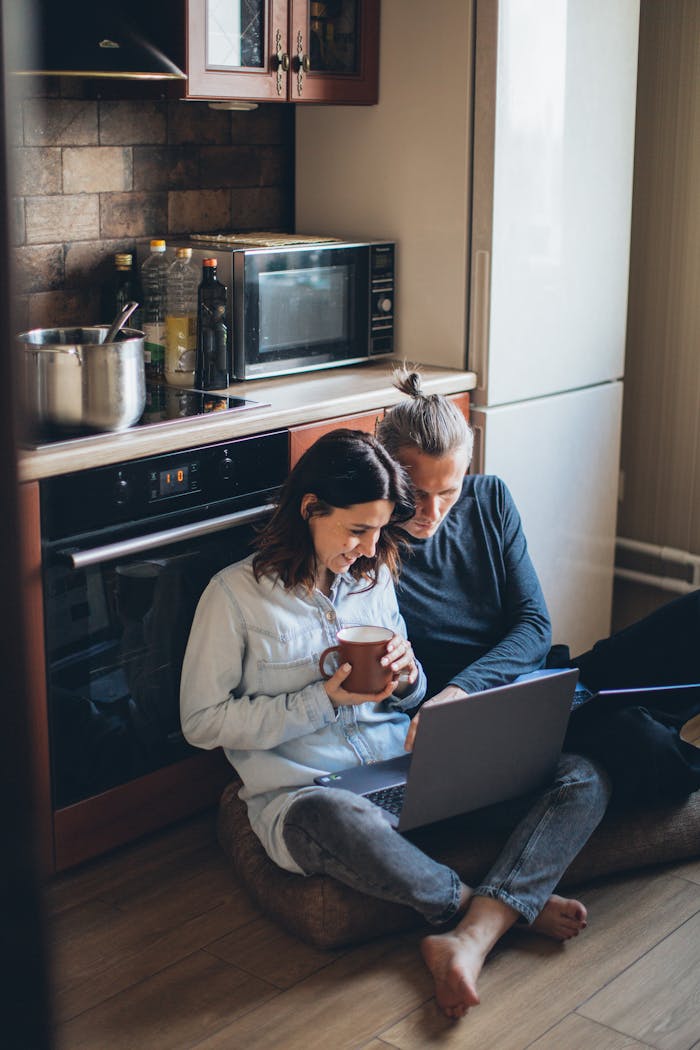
<point>477,618</point>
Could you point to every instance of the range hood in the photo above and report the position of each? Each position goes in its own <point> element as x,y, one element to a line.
<point>95,38</point>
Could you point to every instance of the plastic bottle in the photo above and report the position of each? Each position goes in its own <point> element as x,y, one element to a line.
<point>154,285</point>
<point>123,288</point>
<point>181,320</point>
<point>213,368</point>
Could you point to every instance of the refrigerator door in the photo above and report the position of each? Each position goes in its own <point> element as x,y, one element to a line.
<point>554,120</point>
<point>559,457</point>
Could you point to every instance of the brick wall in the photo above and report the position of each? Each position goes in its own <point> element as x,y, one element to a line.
<point>95,176</point>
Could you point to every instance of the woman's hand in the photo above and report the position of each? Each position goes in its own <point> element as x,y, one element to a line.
<point>399,656</point>
<point>340,697</point>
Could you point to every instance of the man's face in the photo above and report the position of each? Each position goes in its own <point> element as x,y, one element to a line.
<point>437,481</point>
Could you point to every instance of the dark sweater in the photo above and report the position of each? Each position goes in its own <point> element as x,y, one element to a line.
<point>473,605</point>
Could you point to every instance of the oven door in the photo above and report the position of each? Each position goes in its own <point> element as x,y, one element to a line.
<point>117,621</point>
<point>300,308</point>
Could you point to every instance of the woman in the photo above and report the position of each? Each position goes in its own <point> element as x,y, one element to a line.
<point>251,682</point>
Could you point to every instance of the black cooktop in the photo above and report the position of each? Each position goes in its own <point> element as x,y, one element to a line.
<point>165,405</point>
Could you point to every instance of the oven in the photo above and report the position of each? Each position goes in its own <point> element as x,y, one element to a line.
<point>126,552</point>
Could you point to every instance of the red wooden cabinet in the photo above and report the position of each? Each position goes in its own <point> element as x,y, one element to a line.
<point>36,684</point>
<point>302,437</point>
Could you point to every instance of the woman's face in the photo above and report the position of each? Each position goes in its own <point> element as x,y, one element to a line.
<point>347,533</point>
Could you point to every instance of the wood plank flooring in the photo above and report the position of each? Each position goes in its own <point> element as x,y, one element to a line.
<point>156,946</point>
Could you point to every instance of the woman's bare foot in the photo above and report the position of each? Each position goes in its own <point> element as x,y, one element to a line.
<point>455,961</point>
<point>561,918</point>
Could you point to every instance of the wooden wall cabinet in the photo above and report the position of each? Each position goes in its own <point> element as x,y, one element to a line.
<point>283,50</point>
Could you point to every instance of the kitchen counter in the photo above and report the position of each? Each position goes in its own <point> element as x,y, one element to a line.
<point>293,400</point>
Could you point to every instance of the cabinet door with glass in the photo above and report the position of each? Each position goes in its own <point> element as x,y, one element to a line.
<point>238,49</point>
<point>283,50</point>
<point>334,51</point>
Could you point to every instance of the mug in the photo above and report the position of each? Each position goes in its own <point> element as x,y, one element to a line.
<point>362,648</point>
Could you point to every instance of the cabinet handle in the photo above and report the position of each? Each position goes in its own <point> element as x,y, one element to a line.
<point>302,61</point>
<point>280,61</point>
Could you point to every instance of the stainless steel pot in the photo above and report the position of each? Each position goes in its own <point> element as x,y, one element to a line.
<point>72,378</point>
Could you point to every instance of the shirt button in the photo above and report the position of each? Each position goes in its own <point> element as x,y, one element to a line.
<point>330,616</point>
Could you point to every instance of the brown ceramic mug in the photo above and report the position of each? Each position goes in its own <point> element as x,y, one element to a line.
<point>362,648</point>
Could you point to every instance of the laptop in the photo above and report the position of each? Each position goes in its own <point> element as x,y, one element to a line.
<point>468,753</point>
<point>667,697</point>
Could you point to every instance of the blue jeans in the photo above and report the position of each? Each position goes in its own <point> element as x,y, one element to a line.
<point>337,833</point>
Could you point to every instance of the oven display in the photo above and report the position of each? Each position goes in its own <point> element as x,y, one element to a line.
<point>173,480</point>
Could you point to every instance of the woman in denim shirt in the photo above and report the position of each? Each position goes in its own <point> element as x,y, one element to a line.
<point>251,681</point>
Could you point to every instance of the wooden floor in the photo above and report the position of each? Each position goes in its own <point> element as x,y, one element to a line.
<point>157,947</point>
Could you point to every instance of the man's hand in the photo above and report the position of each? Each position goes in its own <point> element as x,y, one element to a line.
<point>450,692</point>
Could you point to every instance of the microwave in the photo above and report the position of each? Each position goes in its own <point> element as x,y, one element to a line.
<point>299,303</point>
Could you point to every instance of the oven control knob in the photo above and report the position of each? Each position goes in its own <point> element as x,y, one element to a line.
<point>384,305</point>
<point>122,491</point>
<point>226,467</point>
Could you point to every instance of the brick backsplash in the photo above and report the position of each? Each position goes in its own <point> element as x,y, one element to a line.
<point>95,176</point>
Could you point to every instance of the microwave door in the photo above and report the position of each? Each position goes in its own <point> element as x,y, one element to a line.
<point>301,309</point>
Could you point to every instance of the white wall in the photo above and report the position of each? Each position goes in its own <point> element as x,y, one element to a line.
<point>419,194</point>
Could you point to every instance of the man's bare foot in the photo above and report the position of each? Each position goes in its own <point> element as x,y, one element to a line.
<point>455,961</point>
<point>561,918</point>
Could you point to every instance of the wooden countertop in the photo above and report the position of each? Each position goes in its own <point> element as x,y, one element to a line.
<point>292,400</point>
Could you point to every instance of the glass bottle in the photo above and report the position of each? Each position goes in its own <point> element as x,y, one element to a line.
<point>122,289</point>
<point>181,320</point>
<point>154,273</point>
<point>213,369</point>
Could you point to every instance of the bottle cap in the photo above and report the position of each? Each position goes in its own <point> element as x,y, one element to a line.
<point>183,253</point>
<point>158,246</point>
<point>123,260</point>
<point>209,262</point>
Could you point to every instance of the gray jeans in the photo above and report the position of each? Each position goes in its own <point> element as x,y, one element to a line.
<point>335,832</point>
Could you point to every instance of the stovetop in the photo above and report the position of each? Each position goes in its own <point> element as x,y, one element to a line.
<point>165,406</point>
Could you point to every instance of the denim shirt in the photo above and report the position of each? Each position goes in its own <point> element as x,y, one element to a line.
<point>251,684</point>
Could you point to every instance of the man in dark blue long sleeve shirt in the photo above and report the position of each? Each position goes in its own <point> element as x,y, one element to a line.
<point>476,615</point>
<point>477,618</point>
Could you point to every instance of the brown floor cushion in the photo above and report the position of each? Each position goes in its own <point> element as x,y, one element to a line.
<point>323,912</point>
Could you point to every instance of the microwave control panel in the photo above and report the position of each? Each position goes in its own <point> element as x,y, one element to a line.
<point>381,298</point>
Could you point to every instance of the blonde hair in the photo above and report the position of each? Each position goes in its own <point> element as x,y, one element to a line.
<point>428,422</point>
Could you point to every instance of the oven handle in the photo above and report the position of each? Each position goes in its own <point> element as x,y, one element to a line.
<point>125,548</point>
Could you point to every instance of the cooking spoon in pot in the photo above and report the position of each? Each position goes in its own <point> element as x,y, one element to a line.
<point>120,320</point>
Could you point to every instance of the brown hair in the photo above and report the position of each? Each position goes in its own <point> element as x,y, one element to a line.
<point>342,468</point>
<point>428,422</point>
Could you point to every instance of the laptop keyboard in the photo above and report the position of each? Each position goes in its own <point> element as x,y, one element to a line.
<point>390,799</point>
<point>581,695</point>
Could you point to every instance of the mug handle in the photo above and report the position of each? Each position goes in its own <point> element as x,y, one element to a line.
<point>322,659</point>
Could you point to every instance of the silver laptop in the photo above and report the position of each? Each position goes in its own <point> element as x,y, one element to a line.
<point>469,753</point>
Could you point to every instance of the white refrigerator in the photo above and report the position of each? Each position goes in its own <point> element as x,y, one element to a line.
<point>505,175</point>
